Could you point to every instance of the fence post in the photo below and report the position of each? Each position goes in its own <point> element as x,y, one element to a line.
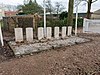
<point>1,36</point>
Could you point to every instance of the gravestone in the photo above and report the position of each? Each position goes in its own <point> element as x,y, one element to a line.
<point>18,34</point>
<point>49,32</point>
<point>69,31</point>
<point>56,32</point>
<point>63,32</point>
<point>40,33</point>
<point>29,34</point>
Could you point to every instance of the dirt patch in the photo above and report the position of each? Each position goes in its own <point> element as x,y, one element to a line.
<point>80,59</point>
<point>5,53</point>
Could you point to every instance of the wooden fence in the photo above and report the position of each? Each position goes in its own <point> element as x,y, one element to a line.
<point>12,22</point>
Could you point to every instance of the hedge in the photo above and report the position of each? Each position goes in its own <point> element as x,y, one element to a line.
<point>60,23</point>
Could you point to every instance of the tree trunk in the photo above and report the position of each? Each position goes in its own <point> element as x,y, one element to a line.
<point>89,8</point>
<point>70,13</point>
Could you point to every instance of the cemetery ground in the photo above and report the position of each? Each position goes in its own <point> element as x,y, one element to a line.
<point>79,59</point>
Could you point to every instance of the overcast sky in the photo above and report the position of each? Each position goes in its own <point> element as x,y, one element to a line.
<point>82,6</point>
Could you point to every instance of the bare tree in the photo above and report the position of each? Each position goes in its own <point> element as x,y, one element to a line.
<point>50,9</point>
<point>58,8</point>
<point>89,3</point>
<point>89,8</point>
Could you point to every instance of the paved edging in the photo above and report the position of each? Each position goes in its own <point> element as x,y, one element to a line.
<point>36,46</point>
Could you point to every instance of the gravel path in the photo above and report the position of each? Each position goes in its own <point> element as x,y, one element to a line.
<point>80,59</point>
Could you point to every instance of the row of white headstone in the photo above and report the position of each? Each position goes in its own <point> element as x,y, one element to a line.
<point>40,34</point>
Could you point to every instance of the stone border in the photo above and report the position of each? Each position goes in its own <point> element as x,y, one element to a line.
<point>37,46</point>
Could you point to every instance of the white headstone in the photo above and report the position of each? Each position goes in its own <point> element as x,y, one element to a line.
<point>63,32</point>
<point>29,34</point>
<point>69,31</point>
<point>49,32</point>
<point>56,32</point>
<point>18,34</point>
<point>40,33</point>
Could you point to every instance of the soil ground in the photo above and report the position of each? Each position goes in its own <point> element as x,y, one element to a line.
<point>79,59</point>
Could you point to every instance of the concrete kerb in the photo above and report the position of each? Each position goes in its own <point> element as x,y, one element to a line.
<point>24,48</point>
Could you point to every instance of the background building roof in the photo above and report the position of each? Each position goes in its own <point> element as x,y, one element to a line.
<point>97,12</point>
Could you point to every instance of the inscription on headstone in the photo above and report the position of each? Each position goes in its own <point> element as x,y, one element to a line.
<point>63,32</point>
<point>69,31</point>
<point>40,33</point>
<point>56,32</point>
<point>49,32</point>
<point>29,34</point>
<point>18,34</point>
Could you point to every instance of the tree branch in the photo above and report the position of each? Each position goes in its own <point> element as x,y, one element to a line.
<point>94,1</point>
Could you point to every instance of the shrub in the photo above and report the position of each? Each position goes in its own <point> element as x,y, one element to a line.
<point>79,22</point>
<point>60,23</point>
